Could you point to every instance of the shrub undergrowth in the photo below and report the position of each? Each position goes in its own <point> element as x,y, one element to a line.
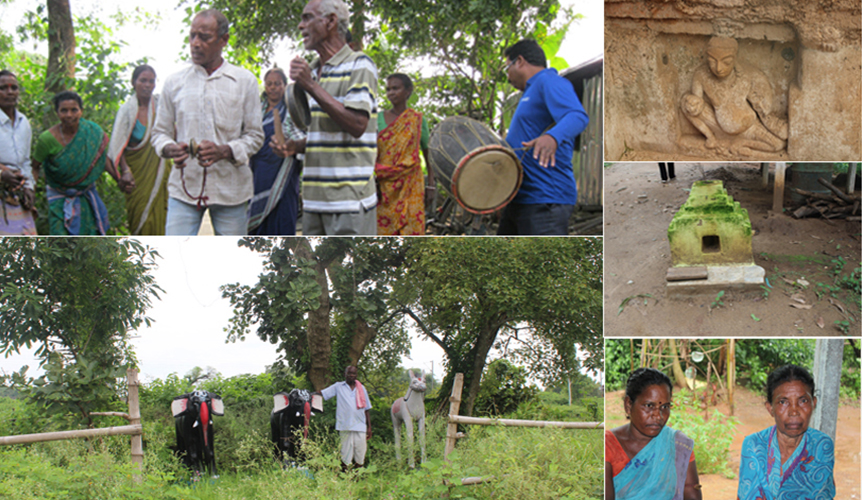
<point>556,463</point>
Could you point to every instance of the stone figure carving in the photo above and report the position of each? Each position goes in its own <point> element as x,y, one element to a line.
<point>730,103</point>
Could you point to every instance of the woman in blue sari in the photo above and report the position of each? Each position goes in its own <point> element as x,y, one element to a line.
<point>274,208</point>
<point>788,461</point>
<point>644,459</point>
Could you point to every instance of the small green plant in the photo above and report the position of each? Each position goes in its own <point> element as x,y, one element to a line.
<point>755,318</point>
<point>765,291</point>
<point>713,436</point>
<point>645,296</point>
<point>717,302</point>
<point>843,326</point>
<point>838,264</point>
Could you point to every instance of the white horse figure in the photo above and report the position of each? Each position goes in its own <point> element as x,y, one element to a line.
<point>407,409</point>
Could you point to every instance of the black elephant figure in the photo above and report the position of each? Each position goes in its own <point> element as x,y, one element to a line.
<point>193,418</point>
<point>291,411</point>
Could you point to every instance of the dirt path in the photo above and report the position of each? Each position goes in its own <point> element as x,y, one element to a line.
<point>638,210</point>
<point>753,417</point>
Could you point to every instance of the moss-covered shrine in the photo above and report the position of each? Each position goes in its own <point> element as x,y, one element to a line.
<point>710,229</point>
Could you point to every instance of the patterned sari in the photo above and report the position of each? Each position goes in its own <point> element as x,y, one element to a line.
<point>14,220</point>
<point>71,174</point>
<point>147,205</point>
<point>400,183</point>
<point>275,206</point>
<point>658,471</point>
<point>805,475</point>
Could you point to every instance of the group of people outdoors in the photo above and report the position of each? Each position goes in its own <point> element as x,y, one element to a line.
<point>210,141</point>
<point>647,460</point>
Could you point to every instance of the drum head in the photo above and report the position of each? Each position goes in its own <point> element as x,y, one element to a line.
<point>487,179</point>
<point>297,106</point>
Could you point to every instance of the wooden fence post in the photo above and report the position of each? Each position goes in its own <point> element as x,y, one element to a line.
<point>135,419</point>
<point>731,373</point>
<point>454,408</point>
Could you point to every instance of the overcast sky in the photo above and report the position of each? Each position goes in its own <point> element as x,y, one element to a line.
<point>191,317</point>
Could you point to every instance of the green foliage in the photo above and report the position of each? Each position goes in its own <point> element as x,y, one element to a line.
<point>72,470</point>
<point>756,359</point>
<point>536,300</point>
<point>625,301</point>
<point>466,40</point>
<point>851,378</point>
<point>556,463</point>
<point>852,282</point>
<point>286,305</point>
<point>618,363</point>
<point>75,300</point>
<point>99,80</point>
<point>504,388</point>
<point>712,437</point>
<point>717,301</point>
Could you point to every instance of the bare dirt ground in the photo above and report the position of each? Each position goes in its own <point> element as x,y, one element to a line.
<point>753,417</point>
<point>638,210</point>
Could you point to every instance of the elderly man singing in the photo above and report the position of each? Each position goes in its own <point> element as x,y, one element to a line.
<point>338,194</point>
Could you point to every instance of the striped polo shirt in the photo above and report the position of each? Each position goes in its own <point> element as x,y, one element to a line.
<point>339,169</point>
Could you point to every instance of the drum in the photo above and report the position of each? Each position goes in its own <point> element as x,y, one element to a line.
<point>473,164</point>
<point>297,106</point>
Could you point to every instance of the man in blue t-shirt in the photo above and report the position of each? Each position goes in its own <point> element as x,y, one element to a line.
<point>548,119</point>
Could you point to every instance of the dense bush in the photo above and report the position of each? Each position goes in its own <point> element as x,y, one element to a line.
<point>850,372</point>
<point>756,359</point>
<point>712,437</point>
<point>558,464</point>
<point>504,388</point>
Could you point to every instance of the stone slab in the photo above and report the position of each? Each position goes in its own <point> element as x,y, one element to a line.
<point>687,273</point>
<point>736,278</point>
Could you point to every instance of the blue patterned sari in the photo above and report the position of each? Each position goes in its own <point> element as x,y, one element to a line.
<point>658,471</point>
<point>806,475</point>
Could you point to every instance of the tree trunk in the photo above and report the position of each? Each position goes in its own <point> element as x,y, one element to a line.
<point>678,374</point>
<point>61,45</point>
<point>480,354</point>
<point>318,334</point>
<point>362,336</point>
<point>357,31</point>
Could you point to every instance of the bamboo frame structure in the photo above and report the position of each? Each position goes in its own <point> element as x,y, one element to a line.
<point>134,429</point>
<point>452,434</point>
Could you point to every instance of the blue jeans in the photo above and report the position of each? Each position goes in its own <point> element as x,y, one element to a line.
<point>544,219</point>
<point>184,219</point>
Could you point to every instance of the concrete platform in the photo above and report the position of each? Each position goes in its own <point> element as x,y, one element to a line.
<point>738,278</point>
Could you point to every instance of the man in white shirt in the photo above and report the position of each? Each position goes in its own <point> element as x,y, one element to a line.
<point>352,417</point>
<point>15,170</point>
<point>216,105</point>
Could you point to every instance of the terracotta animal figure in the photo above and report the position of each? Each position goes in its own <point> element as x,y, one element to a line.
<point>407,409</point>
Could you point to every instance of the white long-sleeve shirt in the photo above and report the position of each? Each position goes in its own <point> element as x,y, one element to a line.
<point>224,108</point>
<point>15,145</point>
<point>347,416</point>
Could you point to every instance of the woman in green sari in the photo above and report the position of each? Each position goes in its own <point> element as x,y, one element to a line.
<point>73,155</point>
<point>130,148</point>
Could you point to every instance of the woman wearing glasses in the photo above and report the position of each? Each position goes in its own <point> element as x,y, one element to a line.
<point>644,459</point>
